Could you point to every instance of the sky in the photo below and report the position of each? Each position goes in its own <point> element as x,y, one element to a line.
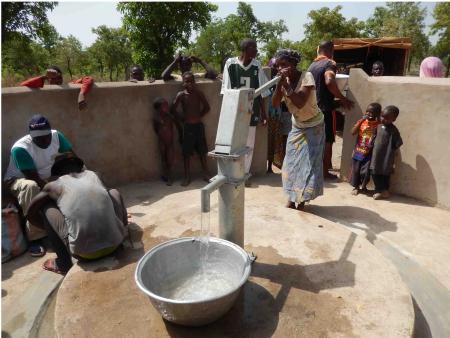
<point>78,18</point>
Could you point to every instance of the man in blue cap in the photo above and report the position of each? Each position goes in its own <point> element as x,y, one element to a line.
<point>29,169</point>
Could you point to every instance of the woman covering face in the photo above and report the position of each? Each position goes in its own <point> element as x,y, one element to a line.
<point>302,171</point>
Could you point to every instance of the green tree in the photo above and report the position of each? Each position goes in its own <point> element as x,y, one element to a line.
<point>221,38</point>
<point>156,29</point>
<point>28,18</point>
<point>69,55</point>
<point>111,51</point>
<point>401,19</point>
<point>327,24</point>
<point>441,26</point>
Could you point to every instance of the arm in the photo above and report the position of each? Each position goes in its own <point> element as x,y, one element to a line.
<point>205,105</point>
<point>166,72</point>
<point>175,105</point>
<point>356,127</point>
<point>263,110</point>
<point>330,82</point>
<point>24,162</point>
<point>226,83</point>
<point>35,82</point>
<point>210,73</point>
<point>86,85</point>
<point>34,176</point>
<point>50,192</point>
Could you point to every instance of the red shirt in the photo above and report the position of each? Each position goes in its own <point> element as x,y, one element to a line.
<point>38,82</point>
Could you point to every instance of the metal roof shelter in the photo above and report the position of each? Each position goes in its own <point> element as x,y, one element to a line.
<point>363,52</point>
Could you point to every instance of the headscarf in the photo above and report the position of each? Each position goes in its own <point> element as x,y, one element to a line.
<point>290,54</point>
<point>431,67</point>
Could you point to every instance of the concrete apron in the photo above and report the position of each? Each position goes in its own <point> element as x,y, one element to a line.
<point>312,278</point>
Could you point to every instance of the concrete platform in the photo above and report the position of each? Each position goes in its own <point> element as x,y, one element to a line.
<point>312,278</point>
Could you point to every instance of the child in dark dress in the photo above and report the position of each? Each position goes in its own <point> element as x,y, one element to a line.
<point>365,128</point>
<point>163,123</point>
<point>387,141</point>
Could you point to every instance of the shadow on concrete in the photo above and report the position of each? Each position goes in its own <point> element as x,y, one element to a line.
<point>421,177</point>
<point>147,193</point>
<point>274,180</point>
<point>255,314</point>
<point>10,266</point>
<point>5,334</point>
<point>355,217</point>
<point>273,278</point>
<point>421,327</point>
<point>131,251</point>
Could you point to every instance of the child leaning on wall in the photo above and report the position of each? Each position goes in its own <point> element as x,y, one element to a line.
<point>163,123</point>
<point>365,128</point>
<point>387,141</point>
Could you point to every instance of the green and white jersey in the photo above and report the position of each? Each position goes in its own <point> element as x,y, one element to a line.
<point>236,75</point>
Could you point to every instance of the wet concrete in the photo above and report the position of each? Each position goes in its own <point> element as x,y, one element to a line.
<point>312,278</point>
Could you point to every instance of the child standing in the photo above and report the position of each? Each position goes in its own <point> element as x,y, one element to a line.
<point>163,126</point>
<point>194,107</point>
<point>387,141</point>
<point>365,128</point>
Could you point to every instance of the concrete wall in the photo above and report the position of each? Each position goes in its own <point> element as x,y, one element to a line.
<point>423,162</point>
<point>114,135</point>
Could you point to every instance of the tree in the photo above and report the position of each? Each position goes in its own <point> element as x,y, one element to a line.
<point>221,38</point>
<point>111,50</point>
<point>401,19</point>
<point>156,29</point>
<point>28,18</point>
<point>69,54</point>
<point>326,24</point>
<point>441,26</point>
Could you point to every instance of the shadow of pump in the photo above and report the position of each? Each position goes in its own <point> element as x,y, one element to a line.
<point>262,299</point>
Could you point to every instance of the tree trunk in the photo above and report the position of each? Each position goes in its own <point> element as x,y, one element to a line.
<point>448,67</point>
<point>409,63</point>
<point>117,73</point>
<point>126,73</point>
<point>110,74</point>
<point>68,68</point>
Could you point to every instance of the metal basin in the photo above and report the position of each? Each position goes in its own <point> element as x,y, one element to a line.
<point>162,270</point>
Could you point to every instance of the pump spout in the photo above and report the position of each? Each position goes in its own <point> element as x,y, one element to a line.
<point>216,182</point>
<point>267,85</point>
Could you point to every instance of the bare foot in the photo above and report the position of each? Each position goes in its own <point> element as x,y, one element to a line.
<point>186,182</point>
<point>290,205</point>
<point>301,206</point>
<point>206,178</point>
<point>355,191</point>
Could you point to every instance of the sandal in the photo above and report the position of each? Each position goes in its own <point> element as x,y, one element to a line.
<point>36,250</point>
<point>50,265</point>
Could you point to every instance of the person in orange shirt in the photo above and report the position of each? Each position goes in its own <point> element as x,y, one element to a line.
<point>365,128</point>
<point>54,76</point>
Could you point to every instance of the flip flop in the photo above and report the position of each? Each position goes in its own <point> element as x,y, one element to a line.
<point>50,265</point>
<point>36,250</point>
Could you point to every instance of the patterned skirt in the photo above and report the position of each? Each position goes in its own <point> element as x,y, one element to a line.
<point>302,171</point>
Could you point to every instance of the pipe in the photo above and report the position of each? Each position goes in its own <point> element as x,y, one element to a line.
<point>267,85</point>
<point>216,182</point>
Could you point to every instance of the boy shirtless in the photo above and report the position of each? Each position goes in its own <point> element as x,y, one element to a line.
<point>194,107</point>
<point>163,126</point>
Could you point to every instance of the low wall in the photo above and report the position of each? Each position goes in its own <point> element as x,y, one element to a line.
<point>114,135</point>
<point>422,167</point>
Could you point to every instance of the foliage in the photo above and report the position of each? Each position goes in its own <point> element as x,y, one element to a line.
<point>28,18</point>
<point>221,38</point>
<point>327,24</point>
<point>156,29</point>
<point>441,26</point>
<point>111,51</point>
<point>401,19</point>
<point>69,55</point>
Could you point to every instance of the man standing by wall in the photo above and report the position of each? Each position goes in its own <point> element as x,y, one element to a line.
<point>324,70</point>
<point>245,71</point>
